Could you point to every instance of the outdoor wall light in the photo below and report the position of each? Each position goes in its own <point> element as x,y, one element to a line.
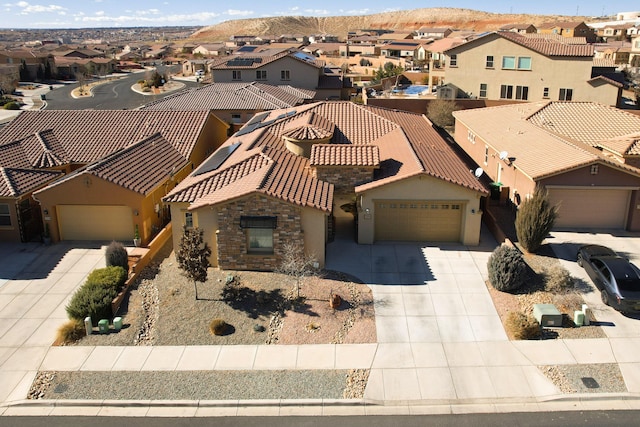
<point>46,211</point>
<point>135,212</point>
<point>367,211</point>
<point>473,211</point>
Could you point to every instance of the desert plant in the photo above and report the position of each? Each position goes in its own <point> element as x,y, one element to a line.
<point>296,264</point>
<point>535,220</point>
<point>70,332</point>
<point>558,280</point>
<point>507,269</point>
<point>116,255</point>
<point>91,300</point>
<point>193,255</point>
<point>218,327</point>
<point>522,327</point>
<point>112,277</point>
<point>11,106</point>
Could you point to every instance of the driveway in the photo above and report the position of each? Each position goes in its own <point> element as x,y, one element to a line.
<point>565,245</point>
<point>36,283</point>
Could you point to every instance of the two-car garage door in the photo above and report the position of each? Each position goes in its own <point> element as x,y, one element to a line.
<point>418,220</point>
<point>590,208</point>
<point>84,222</point>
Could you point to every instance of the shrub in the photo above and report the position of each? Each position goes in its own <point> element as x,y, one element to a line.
<point>218,327</point>
<point>109,277</point>
<point>558,280</point>
<point>535,220</point>
<point>116,255</point>
<point>523,327</point>
<point>70,332</point>
<point>507,269</point>
<point>91,300</point>
<point>11,106</point>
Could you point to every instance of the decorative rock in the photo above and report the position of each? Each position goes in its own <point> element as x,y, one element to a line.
<point>335,300</point>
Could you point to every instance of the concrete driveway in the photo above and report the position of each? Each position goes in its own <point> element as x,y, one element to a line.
<point>36,283</point>
<point>565,245</point>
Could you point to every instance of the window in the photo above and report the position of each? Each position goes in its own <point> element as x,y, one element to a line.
<point>471,137</point>
<point>188,219</point>
<point>506,92</point>
<point>236,118</point>
<point>486,154</point>
<point>261,74</point>
<point>545,92</point>
<point>522,92</point>
<point>565,94</point>
<point>509,62</point>
<point>453,61</point>
<point>285,75</point>
<point>259,232</point>
<point>236,75</point>
<point>483,90</point>
<point>5,215</point>
<point>524,63</point>
<point>489,62</point>
<point>594,169</point>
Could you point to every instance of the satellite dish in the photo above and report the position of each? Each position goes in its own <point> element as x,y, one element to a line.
<point>478,173</point>
<point>503,155</point>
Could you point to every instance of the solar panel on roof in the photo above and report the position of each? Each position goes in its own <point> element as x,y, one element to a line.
<point>216,160</point>
<point>257,118</point>
<point>247,48</point>
<point>304,57</point>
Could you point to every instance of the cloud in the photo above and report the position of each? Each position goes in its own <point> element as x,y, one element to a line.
<point>233,12</point>
<point>147,18</point>
<point>317,11</point>
<point>36,8</point>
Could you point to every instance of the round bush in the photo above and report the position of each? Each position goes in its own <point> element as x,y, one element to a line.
<point>92,300</point>
<point>523,327</point>
<point>71,331</point>
<point>507,269</point>
<point>218,327</point>
<point>116,255</point>
<point>11,106</point>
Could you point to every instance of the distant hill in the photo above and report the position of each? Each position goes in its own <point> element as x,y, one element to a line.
<point>400,20</point>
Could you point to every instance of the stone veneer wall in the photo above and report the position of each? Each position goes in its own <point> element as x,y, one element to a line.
<point>343,178</point>
<point>232,240</point>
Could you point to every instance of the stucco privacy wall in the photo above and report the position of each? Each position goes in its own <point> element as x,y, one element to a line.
<point>421,188</point>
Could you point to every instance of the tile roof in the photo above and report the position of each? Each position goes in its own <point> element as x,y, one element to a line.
<point>84,136</point>
<point>256,60</point>
<point>604,62</point>
<point>15,182</point>
<point>401,144</point>
<point>345,155</point>
<point>548,46</point>
<point>606,80</point>
<point>310,127</point>
<point>555,132</point>
<point>233,96</point>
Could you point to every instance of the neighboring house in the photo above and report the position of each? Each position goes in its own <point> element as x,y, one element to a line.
<point>510,66</point>
<point>67,141</point>
<point>568,29</point>
<point>634,55</point>
<point>293,68</point>
<point>613,32</point>
<point>585,154</point>
<point>33,66</point>
<point>191,66</point>
<point>438,60</point>
<point>234,103</point>
<point>520,28</point>
<point>616,51</point>
<point>299,176</point>
<point>400,49</point>
<point>70,67</point>
<point>212,49</point>
<point>433,32</point>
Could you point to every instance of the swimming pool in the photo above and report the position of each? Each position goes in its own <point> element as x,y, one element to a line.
<point>413,90</point>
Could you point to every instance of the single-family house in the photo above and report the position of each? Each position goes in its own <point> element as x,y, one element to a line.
<point>211,49</point>
<point>400,49</point>
<point>99,186</point>
<point>520,28</point>
<point>299,176</point>
<point>433,32</point>
<point>510,66</point>
<point>585,154</point>
<point>568,29</point>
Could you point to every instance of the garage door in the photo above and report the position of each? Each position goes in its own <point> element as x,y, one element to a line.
<point>423,220</point>
<point>95,222</point>
<point>586,208</point>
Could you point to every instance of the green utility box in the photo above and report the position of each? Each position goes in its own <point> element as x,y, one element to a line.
<point>103,326</point>
<point>547,315</point>
<point>117,323</point>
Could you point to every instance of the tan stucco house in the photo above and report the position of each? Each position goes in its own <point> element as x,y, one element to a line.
<point>585,154</point>
<point>299,176</point>
<point>107,170</point>
<point>527,67</point>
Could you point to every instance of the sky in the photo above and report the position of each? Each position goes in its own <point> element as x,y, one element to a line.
<point>119,13</point>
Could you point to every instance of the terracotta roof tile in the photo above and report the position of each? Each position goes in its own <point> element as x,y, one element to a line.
<point>310,127</point>
<point>16,182</point>
<point>84,136</point>
<point>345,155</point>
<point>606,80</point>
<point>548,46</point>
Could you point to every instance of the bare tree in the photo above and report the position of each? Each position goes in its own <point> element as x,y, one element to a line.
<point>440,112</point>
<point>193,256</point>
<point>296,264</point>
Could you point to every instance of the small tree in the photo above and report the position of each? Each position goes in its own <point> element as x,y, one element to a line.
<point>507,269</point>
<point>535,220</point>
<point>193,256</point>
<point>297,264</point>
<point>440,112</point>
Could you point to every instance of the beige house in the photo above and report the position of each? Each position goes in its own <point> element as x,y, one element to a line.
<point>510,66</point>
<point>584,154</point>
<point>300,176</point>
<point>568,29</point>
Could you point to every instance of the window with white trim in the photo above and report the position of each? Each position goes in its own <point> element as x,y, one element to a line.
<point>261,74</point>
<point>486,154</point>
<point>489,61</point>
<point>565,94</point>
<point>453,60</point>
<point>508,62</point>
<point>524,63</point>
<point>285,75</point>
<point>236,75</point>
<point>506,92</point>
<point>483,90</point>
<point>5,215</point>
<point>522,92</point>
<point>594,169</point>
<point>471,137</point>
<point>188,219</point>
<point>236,118</point>
<point>545,92</point>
